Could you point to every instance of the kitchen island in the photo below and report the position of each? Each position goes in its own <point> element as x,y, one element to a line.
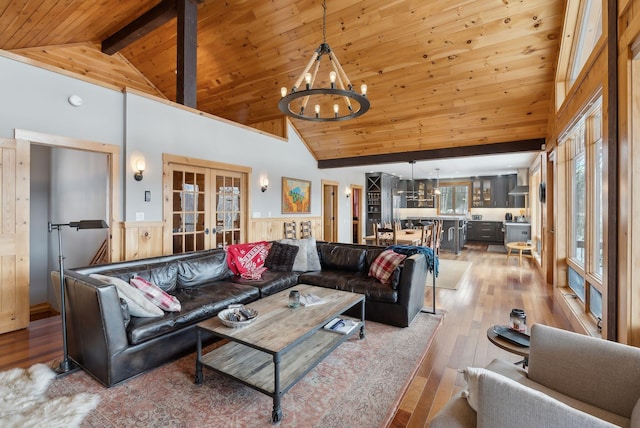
<point>454,230</point>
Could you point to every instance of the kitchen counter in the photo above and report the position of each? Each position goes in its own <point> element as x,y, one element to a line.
<point>454,230</point>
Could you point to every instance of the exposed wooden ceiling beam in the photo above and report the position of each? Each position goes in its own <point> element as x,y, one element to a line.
<point>159,15</point>
<point>452,152</point>
<point>186,83</point>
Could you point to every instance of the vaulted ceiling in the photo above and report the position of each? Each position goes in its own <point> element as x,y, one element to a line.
<point>442,74</point>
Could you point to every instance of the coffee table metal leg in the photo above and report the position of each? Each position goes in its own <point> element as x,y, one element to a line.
<point>362,306</point>
<point>276,415</point>
<point>198,380</point>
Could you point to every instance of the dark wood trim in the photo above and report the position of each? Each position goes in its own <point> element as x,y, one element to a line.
<point>140,27</point>
<point>612,171</point>
<point>451,152</point>
<point>186,84</point>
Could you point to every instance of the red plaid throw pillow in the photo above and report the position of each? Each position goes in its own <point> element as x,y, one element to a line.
<point>156,295</point>
<point>384,265</point>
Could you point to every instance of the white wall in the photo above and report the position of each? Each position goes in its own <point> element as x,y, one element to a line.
<point>36,99</point>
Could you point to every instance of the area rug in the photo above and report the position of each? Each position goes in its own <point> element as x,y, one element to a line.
<point>496,249</point>
<point>23,402</point>
<point>449,273</point>
<point>359,384</point>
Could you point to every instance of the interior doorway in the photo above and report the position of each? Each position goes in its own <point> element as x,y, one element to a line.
<point>59,193</point>
<point>356,213</point>
<point>330,210</point>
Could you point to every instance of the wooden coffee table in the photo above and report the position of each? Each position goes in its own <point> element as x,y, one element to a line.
<point>281,345</point>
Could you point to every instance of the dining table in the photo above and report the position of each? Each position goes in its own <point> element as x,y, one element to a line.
<point>405,237</point>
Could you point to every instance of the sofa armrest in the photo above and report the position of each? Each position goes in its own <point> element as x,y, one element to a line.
<point>503,402</point>
<point>95,323</point>
<point>413,279</point>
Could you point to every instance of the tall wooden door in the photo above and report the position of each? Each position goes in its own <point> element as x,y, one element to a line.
<point>330,211</point>
<point>205,208</point>
<point>14,235</point>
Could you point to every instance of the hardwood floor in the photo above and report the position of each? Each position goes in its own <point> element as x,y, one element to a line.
<point>485,296</point>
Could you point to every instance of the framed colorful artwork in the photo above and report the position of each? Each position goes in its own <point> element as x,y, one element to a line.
<point>296,196</point>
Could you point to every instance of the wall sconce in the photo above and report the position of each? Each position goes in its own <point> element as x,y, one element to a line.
<point>347,192</point>
<point>265,184</point>
<point>140,165</point>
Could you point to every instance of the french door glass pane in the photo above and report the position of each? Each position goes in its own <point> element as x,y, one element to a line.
<point>228,209</point>
<point>188,211</point>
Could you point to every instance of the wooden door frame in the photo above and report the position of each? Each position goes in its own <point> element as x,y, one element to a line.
<point>334,185</point>
<point>114,198</point>
<point>167,187</point>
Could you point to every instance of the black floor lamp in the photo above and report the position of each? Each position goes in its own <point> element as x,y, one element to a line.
<point>67,365</point>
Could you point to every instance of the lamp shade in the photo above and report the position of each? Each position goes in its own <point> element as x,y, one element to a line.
<point>89,224</point>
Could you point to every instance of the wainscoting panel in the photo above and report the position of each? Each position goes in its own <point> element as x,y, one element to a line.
<point>141,239</point>
<point>269,229</point>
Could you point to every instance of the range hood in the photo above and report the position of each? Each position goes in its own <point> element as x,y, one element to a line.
<point>522,183</point>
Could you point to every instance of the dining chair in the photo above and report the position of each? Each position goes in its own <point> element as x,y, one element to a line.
<point>384,235</point>
<point>436,237</point>
<point>290,230</point>
<point>305,229</point>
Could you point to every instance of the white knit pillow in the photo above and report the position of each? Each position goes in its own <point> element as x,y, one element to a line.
<point>139,305</point>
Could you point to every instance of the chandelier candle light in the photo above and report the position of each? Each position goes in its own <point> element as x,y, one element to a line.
<point>340,90</point>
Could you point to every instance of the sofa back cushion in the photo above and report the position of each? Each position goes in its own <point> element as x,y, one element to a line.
<point>162,274</point>
<point>196,271</point>
<point>343,258</point>
<point>596,371</point>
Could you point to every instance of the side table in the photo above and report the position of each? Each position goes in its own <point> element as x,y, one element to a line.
<point>520,247</point>
<point>508,346</point>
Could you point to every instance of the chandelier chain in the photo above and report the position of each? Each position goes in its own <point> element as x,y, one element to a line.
<point>324,21</point>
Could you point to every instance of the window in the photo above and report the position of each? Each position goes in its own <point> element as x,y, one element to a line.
<point>454,199</point>
<point>583,148</point>
<point>581,32</point>
<point>578,198</point>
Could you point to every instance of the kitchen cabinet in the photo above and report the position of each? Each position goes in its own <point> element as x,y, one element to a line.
<point>381,188</point>
<point>484,231</point>
<point>500,192</point>
<point>493,192</point>
<point>481,192</point>
<point>416,193</point>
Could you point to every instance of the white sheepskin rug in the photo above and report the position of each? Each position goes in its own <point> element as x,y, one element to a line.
<point>23,402</point>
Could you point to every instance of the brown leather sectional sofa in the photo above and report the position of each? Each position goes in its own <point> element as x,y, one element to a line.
<point>113,346</point>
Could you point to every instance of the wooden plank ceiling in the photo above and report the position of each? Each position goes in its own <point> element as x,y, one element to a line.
<point>441,73</point>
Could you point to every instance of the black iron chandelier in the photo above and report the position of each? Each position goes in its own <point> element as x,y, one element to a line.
<point>327,101</point>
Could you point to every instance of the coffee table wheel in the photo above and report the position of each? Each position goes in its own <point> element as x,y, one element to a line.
<point>198,377</point>
<point>361,332</point>
<point>276,415</point>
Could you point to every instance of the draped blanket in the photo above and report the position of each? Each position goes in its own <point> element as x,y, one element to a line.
<point>409,250</point>
<point>247,260</point>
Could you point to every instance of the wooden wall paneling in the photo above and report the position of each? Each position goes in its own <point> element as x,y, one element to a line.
<point>628,263</point>
<point>142,239</point>
<point>270,229</point>
<point>277,127</point>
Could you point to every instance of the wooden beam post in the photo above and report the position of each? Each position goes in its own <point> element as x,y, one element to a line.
<point>140,27</point>
<point>186,89</point>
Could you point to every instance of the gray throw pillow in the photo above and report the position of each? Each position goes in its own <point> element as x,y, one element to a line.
<point>300,264</point>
